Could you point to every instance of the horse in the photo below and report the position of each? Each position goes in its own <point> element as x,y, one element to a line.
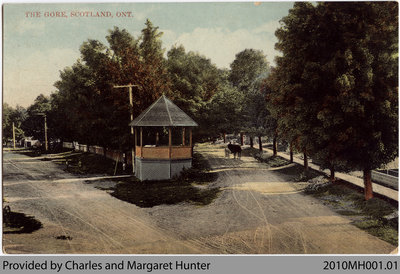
<point>235,149</point>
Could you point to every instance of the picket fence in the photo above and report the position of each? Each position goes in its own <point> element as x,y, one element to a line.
<point>112,154</point>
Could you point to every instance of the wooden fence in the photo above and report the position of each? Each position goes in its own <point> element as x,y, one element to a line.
<point>386,179</point>
<point>112,154</point>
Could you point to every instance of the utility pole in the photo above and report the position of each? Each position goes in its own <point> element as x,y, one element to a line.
<point>45,133</point>
<point>46,144</point>
<point>14,135</point>
<point>129,86</point>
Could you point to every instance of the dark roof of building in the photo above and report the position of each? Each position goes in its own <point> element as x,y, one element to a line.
<point>163,113</point>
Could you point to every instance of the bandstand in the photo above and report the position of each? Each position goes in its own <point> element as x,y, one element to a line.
<point>163,141</point>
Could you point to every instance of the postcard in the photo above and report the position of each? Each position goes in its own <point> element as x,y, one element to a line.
<point>207,128</point>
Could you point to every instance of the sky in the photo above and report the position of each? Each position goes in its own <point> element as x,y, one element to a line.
<point>36,48</point>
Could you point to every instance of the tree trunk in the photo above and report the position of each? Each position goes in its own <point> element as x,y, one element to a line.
<point>224,134</point>
<point>305,163</point>
<point>275,146</point>
<point>332,178</point>
<point>104,151</point>
<point>260,143</point>
<point>241,139</point>
<point>368,184</point>
<point>291,153</point>
<point>251,142</point>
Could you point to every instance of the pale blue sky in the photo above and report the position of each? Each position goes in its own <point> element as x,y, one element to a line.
<point>36,49</point>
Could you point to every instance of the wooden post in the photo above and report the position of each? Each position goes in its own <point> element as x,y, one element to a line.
<point>46,144</point>
<point>190,137</point>
<point>135,137</point>
<point>14,134</point>
<point>134,150</point>
<point>275,146</point>
<point>129,86</point>
<point>305,162</point>
<point>141,138</point>
<point>169,140</point>
<point>291,152</point>
<point>183,136</point>
<point>190,142</point>
<point>332,177</point>
<point>131,104</point>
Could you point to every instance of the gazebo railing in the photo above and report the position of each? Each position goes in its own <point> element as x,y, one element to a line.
<point>164,152</point>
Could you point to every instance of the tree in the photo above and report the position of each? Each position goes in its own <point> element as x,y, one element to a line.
<point>224,111</point>
<point>73,105</point>
<point>194,82</point>
<point>153,80</point>
<point>279,104</point>
<point>33,125</point>
<point>368,84</point>
<point>247,73</point>
<point>292,96</point>
<point>12,116</point>
<point>336,84</point>
<point>248,70</point>
<point>98,113</point>
<point>256,118</point>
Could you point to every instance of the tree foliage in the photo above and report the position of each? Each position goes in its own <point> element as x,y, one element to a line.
<point>248,72</point>
<point>194,82</point>
<point>12,115</point>
<point>33,125</point>
<point>94,111</point>
<point>335,87</point>
<point>224,112</point>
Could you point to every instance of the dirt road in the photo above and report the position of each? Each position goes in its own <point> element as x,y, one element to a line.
<point>263,211</point>
<point>90,220</point>
<point>259,210</point>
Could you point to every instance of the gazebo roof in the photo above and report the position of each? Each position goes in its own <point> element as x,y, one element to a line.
<point>163,113</point>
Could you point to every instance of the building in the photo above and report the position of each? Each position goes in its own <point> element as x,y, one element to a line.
<point>163,141</point>
<point>30,142</point>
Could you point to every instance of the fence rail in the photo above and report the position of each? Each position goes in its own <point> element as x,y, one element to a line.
<point>385,179</point>
<point>112,154</point>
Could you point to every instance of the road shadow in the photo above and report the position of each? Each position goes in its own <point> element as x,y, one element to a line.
<point>193,185</point>
<point>153,193</point>
<point>18,223</point>
<point>296,172</point>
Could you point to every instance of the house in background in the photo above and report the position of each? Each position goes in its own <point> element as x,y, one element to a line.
<point>29,142</point>
<point>163,141</point>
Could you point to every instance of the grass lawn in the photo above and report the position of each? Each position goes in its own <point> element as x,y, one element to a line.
<point>153,193</point>
<point>367,215</point>
<point>192,186</point>
<point>86,163</point>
